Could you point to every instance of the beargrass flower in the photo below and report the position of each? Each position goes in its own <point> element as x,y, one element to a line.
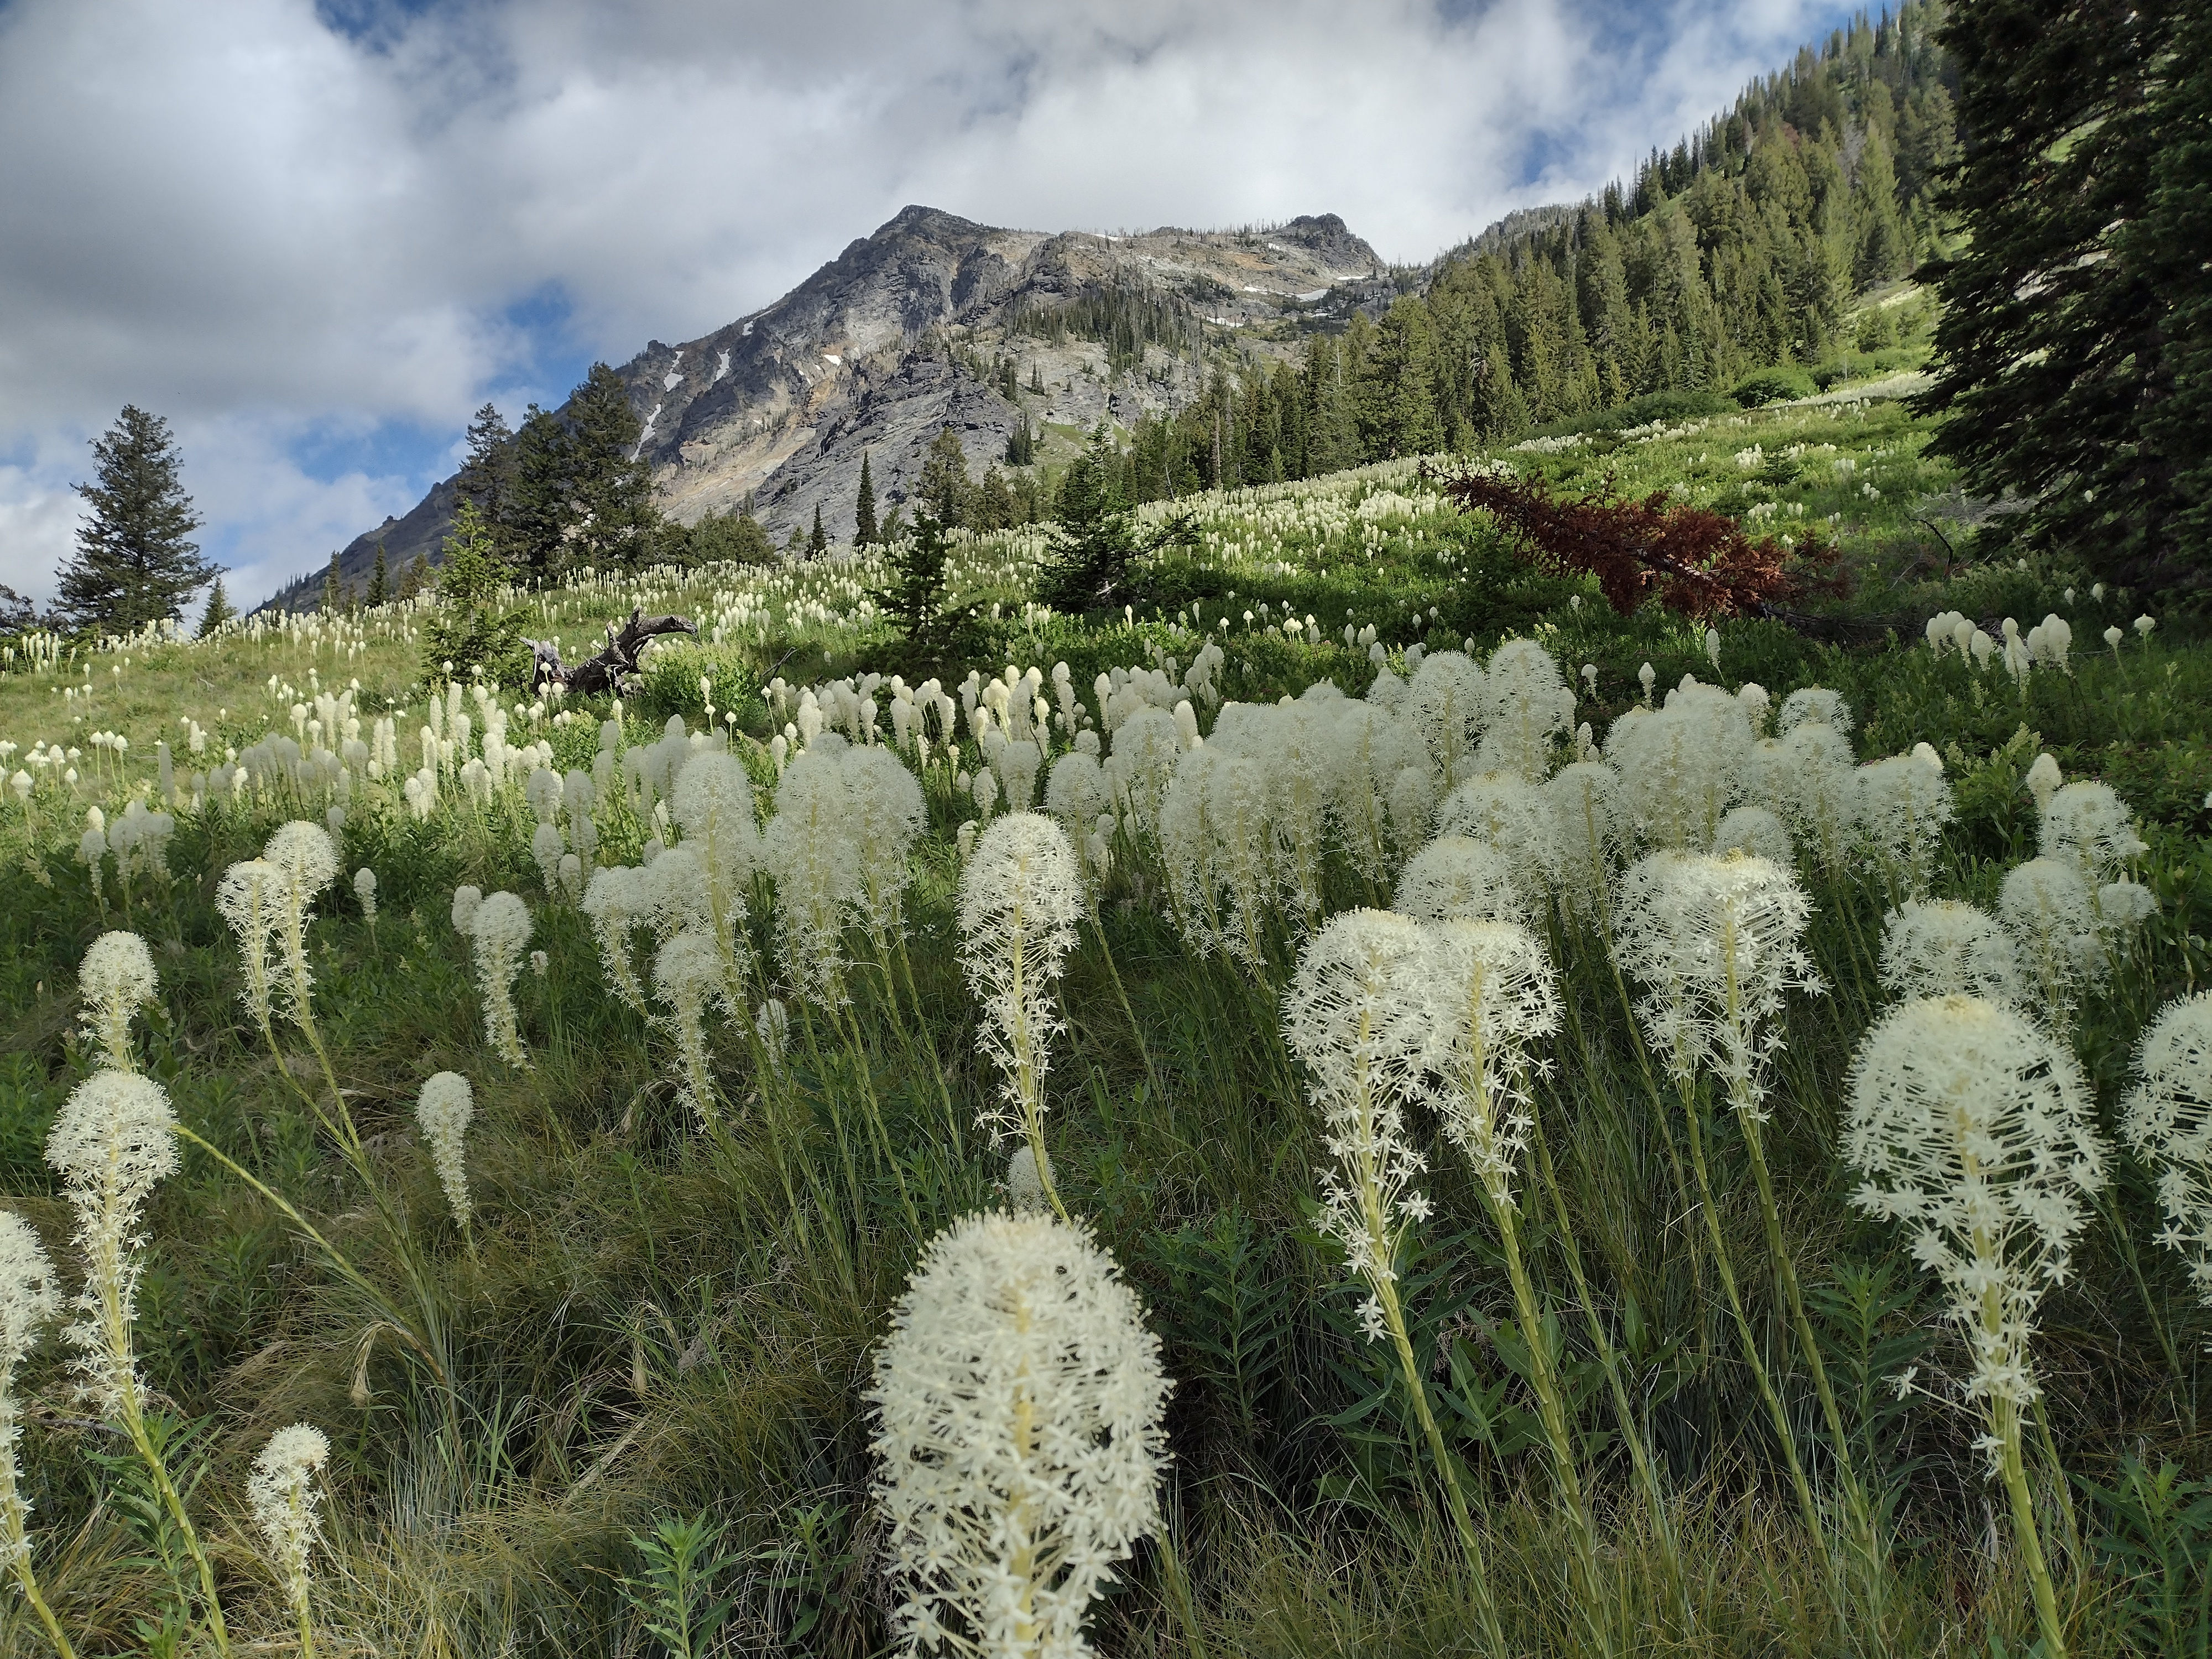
<point>1020,898</point>
<point>2046,906</point>
<point>1755,830</point>
<point>687,975</point>
<point>1458,877</point>
<point>1944,947</point>
<point>282,1495</point>
<point>1017,1404</point>
<point>27,1302</point>
<point>246,899</point>
<point>501,933</point>
<point>444,1108</point>
<point>116,981</point>
<point>2167,1120</point>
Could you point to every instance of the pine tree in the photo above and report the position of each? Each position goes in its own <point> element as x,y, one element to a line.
<point>134,563</point>
<point>219,610</point>
<point>470,629</point>
<point>2057,352</point>
<point>818,543</point>
<point>610,481</point>
<point>1094,542</point>
<point>1880,252</point>
<point>487,477</point>
<point>542,510</point>
<point>913,597</point>
<point>864,509</point>
<point>945,479</point>
<point>333,588</point>
<point>379,587</point>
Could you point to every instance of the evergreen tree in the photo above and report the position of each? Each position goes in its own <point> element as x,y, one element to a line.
<point>864,509</point>
<point>1881,251</point>
<point>610,482</point>
<point>333,588</point>
<point>2057,360</point>
<point>410,578</point>
<point>818,543</point>
<point>487,476</point>
<point>219,610</point>
<point>541,511</point>
<point>944,491</point>
<point>913,597</point>
<point>1094,542</point>
<point>380,588</point>
<point>134,562</point>
<point>471,628</point>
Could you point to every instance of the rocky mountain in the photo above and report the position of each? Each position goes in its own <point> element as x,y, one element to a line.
<point>936,321</point>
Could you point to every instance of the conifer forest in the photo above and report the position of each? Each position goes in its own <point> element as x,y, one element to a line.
<point>1533,981</point>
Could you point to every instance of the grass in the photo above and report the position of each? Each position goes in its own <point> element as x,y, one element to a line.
<point>654,1323</point>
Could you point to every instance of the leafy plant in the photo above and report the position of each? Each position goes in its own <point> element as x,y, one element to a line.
<point>675,1601</point>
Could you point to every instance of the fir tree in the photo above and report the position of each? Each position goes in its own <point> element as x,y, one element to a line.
<point>913,597</point>
<point>333,588</point>
<point>611,482</point>
<point>540,511</point>
<point>817,543</point>
<point>945,479</point>
<point>134,562</point>
<point>378,585</point>
<point>219,610</point>
<point>2056,352</point>
<point>470,629</point>
<point>864,509</point>
<point>487,477</point>
<point>1094,542</point>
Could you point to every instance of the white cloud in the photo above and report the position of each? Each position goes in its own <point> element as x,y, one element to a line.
<point>235,215</point>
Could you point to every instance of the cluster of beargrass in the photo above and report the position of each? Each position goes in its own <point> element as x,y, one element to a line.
<point>1254,1136</point>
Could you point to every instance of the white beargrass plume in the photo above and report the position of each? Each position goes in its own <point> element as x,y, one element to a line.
<point>444,1108</point>
<point>1513,815</point>
<point>1147,748</point>
<point>1024,1186</point>
<point>1075,794</point>
<point>612,904</point>
<point>1755,830</point>
<point>1588,823</point>
<point>1489,993</point>
<point>1412,807</point>
<point>713,801</point>
<point>113,1142</point>
<point>1944,948</point>
<point>466,897</point>
<point>307,862</point>
<point>27,1301</point>
<point>888,815</point>
<point>246,898</point>
<point>1904,802</point>
<point>282,1494</point>
<point>810,850</point>
<point>1245,858</point>
<point>1683,766</point>
<point>772,1026</point>
<point>1446,705</point>
<point>1716,943</point>
<point>2167,1120</point>
<point>501,933</point>
<point>364,892</point>
<point>1814,703</point>
<point>1186,843</point>
<point>1529,710</point>
<point>1354,1016</point>
<point>687,975</point>
<point>1809,780</point>
<point>546,848</point>
<point>1299,761</point>
<point>1020,898</point>
<point>1459,878</point>
<point>1371,747</point>
<point>2047,909</point>
<point>1976,1132</point>
<point>1017,1404</point>
<point>2087,825</point>
<point>116,981</point>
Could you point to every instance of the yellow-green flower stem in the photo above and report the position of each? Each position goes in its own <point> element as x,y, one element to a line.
<point>19,1542</point>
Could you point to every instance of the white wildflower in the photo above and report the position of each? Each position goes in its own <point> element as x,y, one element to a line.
<point>2167,1119</point>
<point>444,1108</point>
<point>116,981</point>
<point>1942,947</point>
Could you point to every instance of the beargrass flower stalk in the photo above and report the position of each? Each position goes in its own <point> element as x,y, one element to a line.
<point>444,1108</point>
<point>1514,816</point>
<point>1447,704</point>
<point>1020,896</point>
<point>27,1301</point>
<point>1455,877</point>
<point>2167,1121</point>
<point>114,1141</point>
<point>1715,941</point>
<point>246,900</point>
<point>282,1495</point>
<point>1944,947</point>
<point>500,933</point>
<point>688,973</point>
<point>1755,830</point>
<point>713,801</point>
<point>1904,802</point>
<point>1354,1015</point>
<point>1017,1403</point>
<point>1976,1132</point>
<point>2046,907</point>
<point>1589,821</point>
<point>1529,710</point>
<point>116,981</point>
<point>1489,992</point>
<point>810,850</point>
<point>364,889</point>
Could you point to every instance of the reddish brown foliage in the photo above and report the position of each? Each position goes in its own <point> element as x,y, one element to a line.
<point>1697,562</point>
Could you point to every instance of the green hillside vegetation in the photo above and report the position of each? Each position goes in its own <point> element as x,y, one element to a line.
<point>647,1347</point>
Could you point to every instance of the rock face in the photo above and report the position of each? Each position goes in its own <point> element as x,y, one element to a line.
<point>894,339</point>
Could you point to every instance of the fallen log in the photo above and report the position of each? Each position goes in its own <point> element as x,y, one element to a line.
<point>618,662</point>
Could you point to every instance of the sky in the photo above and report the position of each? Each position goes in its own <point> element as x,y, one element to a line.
<point>315,237</point>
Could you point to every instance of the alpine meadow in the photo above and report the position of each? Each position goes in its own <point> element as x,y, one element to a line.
<point>1504,959</point>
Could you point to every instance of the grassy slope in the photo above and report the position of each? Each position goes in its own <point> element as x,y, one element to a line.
<point>653,1322</point>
